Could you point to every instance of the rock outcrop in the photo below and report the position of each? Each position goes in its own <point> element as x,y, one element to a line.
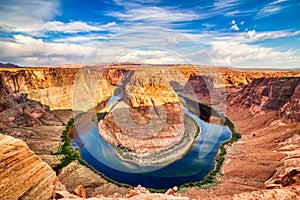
<point>50,86</point>
<point>200,87</point>
<point>225,77</point>
<point>151,120</point>
<point>72,176</point>
<point>23,175</point>
<point>290,111</point>
<point>276,94</point>
<point>17,110</point>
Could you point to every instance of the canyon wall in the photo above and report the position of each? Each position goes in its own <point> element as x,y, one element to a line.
<point>50,86</point>
<point>275,94</point>
<point>55,86</point>
<point>60,88</point>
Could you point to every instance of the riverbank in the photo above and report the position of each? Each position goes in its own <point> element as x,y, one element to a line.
<point>165,156</point>
<point>212,178</point>
<point>191,127</point>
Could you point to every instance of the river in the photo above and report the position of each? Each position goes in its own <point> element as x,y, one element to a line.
<point>192,167</point>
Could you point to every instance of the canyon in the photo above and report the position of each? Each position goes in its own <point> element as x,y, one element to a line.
<point>37,103</point>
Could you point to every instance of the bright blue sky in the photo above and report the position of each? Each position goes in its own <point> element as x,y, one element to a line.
<point>218,32</point>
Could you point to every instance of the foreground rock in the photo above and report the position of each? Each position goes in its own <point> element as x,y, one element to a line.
<point>76,174</point>
<point>137,193</point>
<point>23,175</point>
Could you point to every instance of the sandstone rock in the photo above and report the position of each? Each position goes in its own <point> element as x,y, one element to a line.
<point>291,109</point>
<point>146,88</point>
<point>55,86</point>
<point>76,174</point>
<point>278,94</point>
<point>23,175</point>
<point>152,119</point>
<point>61,192</point>
<point>199,86</point>
<point>80,191</point>
<point>248,163</point>
<point>114,75</point>
<point>137,191</point>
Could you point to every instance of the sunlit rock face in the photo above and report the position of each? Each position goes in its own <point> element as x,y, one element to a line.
<point>150,118</point>
<point>61,88</point>
<point>23,175</point>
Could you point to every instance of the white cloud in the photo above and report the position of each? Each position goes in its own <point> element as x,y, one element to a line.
<point>277,2</point>
<point>18,15</point>
<point>36,18</point>
<point>171,40</point>
<point>235,27</point>
<point>155,14</point>
<point>57,26</point>
<point>225,4</point>
<point>232,13</point>
<point>270,34</point>
<point>87,39</point>
<point>151,57</point>
<point>135,3</point>
<point>26,50</point>
<point>73,27</point>
<point>251,34</point>
<point>271,8</point>
<point>233,49</point>
<point>245,55</point>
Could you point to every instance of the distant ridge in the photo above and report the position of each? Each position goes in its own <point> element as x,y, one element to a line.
<point>8,65</point>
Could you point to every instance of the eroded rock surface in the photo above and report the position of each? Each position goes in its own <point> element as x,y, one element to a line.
<point>152,118</point>
<point>277,94</point>
<point>76,174</point>
<point>54,87</point>
<point>23,175</point>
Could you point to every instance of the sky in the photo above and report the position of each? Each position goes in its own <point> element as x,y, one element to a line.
<point>247,34</point>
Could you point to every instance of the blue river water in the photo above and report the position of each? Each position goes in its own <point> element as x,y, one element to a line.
<point>192,167</point>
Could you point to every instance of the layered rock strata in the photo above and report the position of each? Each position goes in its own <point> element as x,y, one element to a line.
<point>61,88</point>
<point>276,94</point>
<point>152,119</point>
<point>23,175</point>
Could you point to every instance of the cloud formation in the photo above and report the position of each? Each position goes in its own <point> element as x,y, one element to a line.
<point>272,8</point>
<point>245,55</point>
<point>25,16</point>
<point>36,33</point>
<point>235,27</point>
<point>26,50</point>
<point>153,15</point>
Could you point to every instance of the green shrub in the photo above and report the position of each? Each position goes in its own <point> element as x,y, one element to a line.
<point>66,149</point>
